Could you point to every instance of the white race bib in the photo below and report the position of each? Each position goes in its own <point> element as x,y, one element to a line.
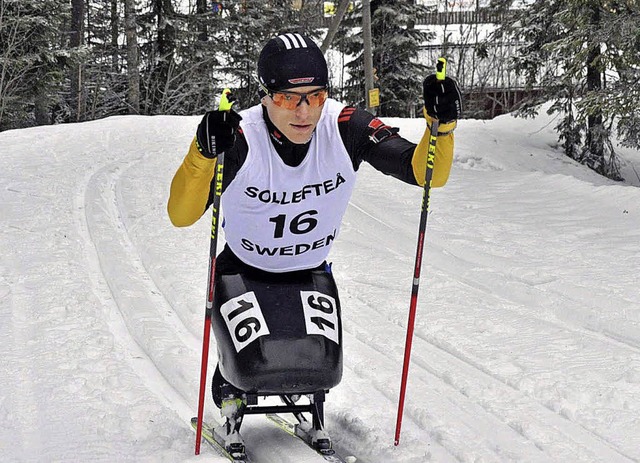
<point>281,218</point>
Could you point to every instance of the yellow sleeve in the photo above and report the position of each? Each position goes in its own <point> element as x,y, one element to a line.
<point>190,188</point>
<point>444,154</point>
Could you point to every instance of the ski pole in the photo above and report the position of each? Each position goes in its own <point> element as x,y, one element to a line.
<point>225,105</point>
<point>440,75</point>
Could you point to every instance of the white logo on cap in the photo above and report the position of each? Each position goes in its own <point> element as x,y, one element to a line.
<point>293,41</point>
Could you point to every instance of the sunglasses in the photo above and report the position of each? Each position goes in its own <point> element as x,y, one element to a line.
<point>291,100</point>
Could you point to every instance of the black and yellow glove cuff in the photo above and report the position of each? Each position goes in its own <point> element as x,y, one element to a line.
<point>443,128</point>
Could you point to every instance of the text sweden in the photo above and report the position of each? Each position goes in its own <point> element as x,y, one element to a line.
<point>300,224</point>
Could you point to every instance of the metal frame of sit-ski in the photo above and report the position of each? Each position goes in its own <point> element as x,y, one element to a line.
<point>314,435</point>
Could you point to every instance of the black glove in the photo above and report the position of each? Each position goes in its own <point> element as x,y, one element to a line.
<point>217,132</point>
<point>442,98</point>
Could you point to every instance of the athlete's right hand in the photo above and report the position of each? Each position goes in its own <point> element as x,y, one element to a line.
<point>217,132</point>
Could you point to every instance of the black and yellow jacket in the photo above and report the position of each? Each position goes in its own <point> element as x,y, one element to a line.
<point>365,137</point>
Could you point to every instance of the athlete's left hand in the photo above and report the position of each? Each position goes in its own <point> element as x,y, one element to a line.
<point>442,98</point>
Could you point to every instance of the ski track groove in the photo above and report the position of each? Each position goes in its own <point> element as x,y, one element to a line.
<point>168,314</point>
<point>432,422</point>
<point>478,371</point>
<point>558,323</point>
<point>98,236</point>
<point>27,411</point>
<point>505,296</point>
<point>516,304</point>
<point>171,315</point>
<point>468,282</point>
<point>424,365</point>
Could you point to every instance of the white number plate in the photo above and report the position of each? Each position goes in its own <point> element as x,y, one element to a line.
<point>320,314</point>
<point>244,319</point>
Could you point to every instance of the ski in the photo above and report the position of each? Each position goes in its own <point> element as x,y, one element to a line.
<point>235,455</point>
<point>295,430</point>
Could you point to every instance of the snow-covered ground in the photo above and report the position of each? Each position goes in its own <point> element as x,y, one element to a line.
<point>527,343</point>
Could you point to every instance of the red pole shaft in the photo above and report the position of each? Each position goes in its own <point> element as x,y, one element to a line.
<point>210,292</point>
<point>203,380</point>
<point>416,276</point>
<point>409,339</point>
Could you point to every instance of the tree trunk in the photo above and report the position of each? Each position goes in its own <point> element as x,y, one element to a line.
<point>115,55</point>
<point>367,51</point>
<point>594,143</point>
<point>335,25</point>
<point>76,39</point>
<point>133,73</point>
<point>166,45</point>
<point>41,109</point>
<point>201,9</point>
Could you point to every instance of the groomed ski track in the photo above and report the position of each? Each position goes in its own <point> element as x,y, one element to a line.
<point>130,345</point>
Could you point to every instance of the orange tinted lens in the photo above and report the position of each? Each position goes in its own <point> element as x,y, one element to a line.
<point>317,99</point>
<point>286,100</point>
<point>291,100</point>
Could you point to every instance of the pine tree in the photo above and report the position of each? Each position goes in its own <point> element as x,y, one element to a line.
<point>620,99</point>
<point>176,57</point>
<point>248,26</point>
<point>194,84</point>
<point>33,61</point>
<point>584,57</point>
<point>104,70</point>
<point>395,49</point>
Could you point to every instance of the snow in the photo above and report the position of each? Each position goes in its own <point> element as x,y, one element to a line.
<point>527,342</point>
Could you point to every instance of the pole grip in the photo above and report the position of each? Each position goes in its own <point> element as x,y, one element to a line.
<point>441,69</point>
<point>225,101</point>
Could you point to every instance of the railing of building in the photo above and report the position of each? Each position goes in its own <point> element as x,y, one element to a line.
<point>479,16</point>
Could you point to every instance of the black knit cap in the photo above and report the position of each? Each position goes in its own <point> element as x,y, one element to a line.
<point>292,60</point>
